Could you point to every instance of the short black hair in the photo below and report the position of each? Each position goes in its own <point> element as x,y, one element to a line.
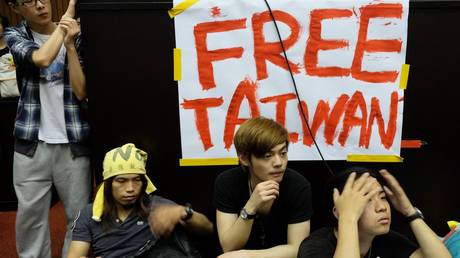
<point>4,21</point>
<point>338,181</point>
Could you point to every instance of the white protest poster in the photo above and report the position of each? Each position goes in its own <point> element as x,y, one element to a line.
<point>344,55</point>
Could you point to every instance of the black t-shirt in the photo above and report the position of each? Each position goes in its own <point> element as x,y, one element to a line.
<point>293,205</point>
<point>322,243</point>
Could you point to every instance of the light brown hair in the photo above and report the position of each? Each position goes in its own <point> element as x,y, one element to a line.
<point>258,136</point>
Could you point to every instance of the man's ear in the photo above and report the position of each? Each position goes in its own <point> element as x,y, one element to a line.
<point>244,160</point>
<point>336,214</point>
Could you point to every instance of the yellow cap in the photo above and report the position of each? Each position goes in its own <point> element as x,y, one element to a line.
<point>126,159</point>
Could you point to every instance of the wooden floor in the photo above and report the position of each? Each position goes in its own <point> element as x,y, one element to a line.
<point>7,232</point>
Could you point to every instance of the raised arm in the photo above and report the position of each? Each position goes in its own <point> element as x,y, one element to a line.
<point>349,206</point>
<point>233,230</point>
<point>70,12</point>
<point>45,55</point>
<point>76,75</point>
<point>430,245</point>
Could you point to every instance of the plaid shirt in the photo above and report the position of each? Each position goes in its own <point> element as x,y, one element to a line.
<point>21,43</point>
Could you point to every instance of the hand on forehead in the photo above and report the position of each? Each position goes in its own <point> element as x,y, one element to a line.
<point>367,179</point>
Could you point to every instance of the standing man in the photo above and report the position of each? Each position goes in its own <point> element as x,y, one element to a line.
<point>50,129</point>
<point>263,207</point>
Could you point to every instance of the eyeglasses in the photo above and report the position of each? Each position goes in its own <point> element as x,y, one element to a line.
<point>30,3</point>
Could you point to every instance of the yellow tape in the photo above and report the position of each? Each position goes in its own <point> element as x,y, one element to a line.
<point>179,8</point>
<point>177,64</point>
<point>404,76</point>
<point>452,224</point>
<point>373,158</point>
<point>208,162</point>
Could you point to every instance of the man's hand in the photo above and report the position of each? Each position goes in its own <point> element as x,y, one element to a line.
<point>71,28</point>
<point>264,193</point>
<point>355,196</point>
<point>396,194</point>
<point>164,218</point>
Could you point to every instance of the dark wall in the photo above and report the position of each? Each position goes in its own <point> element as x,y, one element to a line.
<point>431,111</point>
<point>8,199</point>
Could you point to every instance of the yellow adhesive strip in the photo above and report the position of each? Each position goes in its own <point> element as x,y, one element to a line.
<point>404,76</point>
<point>452,224</point>
<point>179,8</point>
<point>177,64</point>
<point>208,162</point>
<point>373,158</point>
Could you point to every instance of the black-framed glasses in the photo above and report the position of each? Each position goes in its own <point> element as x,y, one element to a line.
<point>30,3</point>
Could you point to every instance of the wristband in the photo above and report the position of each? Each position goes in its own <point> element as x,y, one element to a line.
<point>245,215</point>
<point>189,211</point>
<point>416,215</point>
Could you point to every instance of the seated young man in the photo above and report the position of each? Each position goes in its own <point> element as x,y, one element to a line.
<point>263,207</point>
<point>117,223</point>
<point>358,200</point>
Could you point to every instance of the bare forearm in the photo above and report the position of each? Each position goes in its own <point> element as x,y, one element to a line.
<point>347,239</point>
<point>430,245</point>
<point>199,224</point>
<point>76,75</point>
<point>236,236</point>
<point>46,54</point>
<point>70,12</point>
<point>78,249</point>
<point>280,251</point>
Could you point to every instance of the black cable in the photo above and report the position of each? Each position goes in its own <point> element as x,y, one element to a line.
<point>295,87</point>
